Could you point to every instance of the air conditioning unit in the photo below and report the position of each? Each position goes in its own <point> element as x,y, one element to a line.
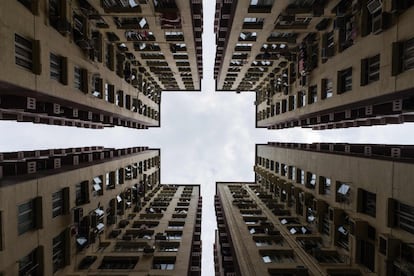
<point>374,6</point>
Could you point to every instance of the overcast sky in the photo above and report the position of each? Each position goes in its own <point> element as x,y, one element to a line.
<point>204,137</point>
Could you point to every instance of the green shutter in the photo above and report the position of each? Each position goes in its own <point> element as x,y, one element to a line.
<point>364,71</point>
<point>397,52</point>
<point>366,25</point>
<point>38,212</point>
<point>66,200</point>
<point>339,83</point>
<point>391,212</point>
<point>40,257</point>
<point>85,81</point>
<point>64,70</point>
<point>37,64</point>
<point>66,243</point>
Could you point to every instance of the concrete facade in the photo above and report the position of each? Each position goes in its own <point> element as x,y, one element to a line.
<point>319,64</point>
<point>96,211</point>
<point>319,209</point>
<point>96,63</point>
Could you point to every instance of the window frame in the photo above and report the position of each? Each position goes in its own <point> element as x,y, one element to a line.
<point>344,80</point>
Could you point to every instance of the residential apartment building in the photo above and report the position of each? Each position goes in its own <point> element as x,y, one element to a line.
<point>318,63</point>
<point>95,211</point>
<point>319,209</point>
<point>92,63</point>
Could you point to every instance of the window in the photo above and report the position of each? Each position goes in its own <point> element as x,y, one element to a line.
<point>80,79</point>
<point>112,262</point>
<point>57,203</point>
<point>253,23</point>
<point>98,87</point>
<point>119,176</point>
<point>57,16</point>
<point>300,176</point>
<point>130,246</point>
<point>366,254</point>
<point>292,102</point>
<point>248,36</point>
<point>31,5</point>
<point>32,263</point>
<point>328,45</point>
<point>313,94</point>
<point>284,171</point>
<point>292,172</point>
<point>370,69</point>
<point>342,192</point>
<point>60,245</point>
<point>82,193</point>
<point>119,98</point>
<point>27,53</point>
<point>174,235</point>
<point>261,2</point>
<point>367,202</point>
<point>97,185</point>
<point>324,185</point>
<point>311,180</point>
<point>109,181</point>
<point>403,216</point>
<point>327,88</point>
<point>402,56</point>
<point>344,80</point>
<point>176,225</point>
<point>30,215</point>
<point>277,167</point>
<point>163,263</point>
<point>110,56</point>
<point>171,36</point>
<point>301,98</point>
<point>60,202</point>
<point>263,242</point>
<point>109,94</point>
<point>253,20</point>
<point>342,236</point>
<point>326,227</point>
<point>95,54</point>
<point>168,246</point>
<point>58,68</point>
<point>277,257</point>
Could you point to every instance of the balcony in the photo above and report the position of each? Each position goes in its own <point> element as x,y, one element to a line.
<point>292,22</point>
<point>165,6</point>
<point>260,6</point>
<point>113,6</point>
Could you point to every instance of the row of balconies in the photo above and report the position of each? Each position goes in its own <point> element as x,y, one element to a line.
<point>403,152</point>
<point>20,163</point>
<point>338,219</point>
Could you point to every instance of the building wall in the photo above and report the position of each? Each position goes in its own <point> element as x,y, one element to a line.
<point>383,101</point>
<point>387,179</point>
<point>35,24</point>
<point>122,203</point>
<point>239,210</point>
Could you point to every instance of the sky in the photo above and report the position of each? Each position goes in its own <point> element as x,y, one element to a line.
<point>204,137</point>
